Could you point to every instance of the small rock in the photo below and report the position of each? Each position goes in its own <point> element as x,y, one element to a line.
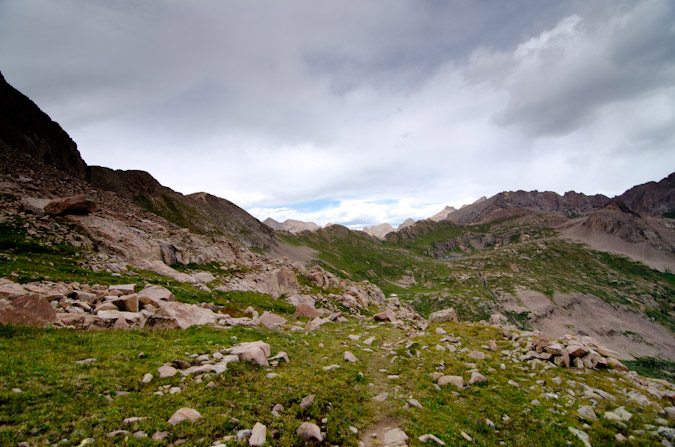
<point>395,437</point>
<point>160,435</point>
<point>140,434</point>
<point>440,331</point>
<point>258,435</point>
<point>381,397</point>
<point>281,356</point>
<point>307,401</point>
<point>430,437</point>
<point>17,390</point>
<point>415,403</point>
<point>349,357</point>
<point>477,377</point>
<point>353,337</point>
<point>310,432</point>
<point>166,371</point>
<point>147,378</point>
<point>85,361</point>
<point>457,381</point>
<point>112,434</point>
<point>354,430</point>
<point>583,436</point>
<point>369,341</point>
<point>272,375</point>
<point>331,368</point>
<point>465,436</point>
<point>587,413</point>
<point>184,414</point>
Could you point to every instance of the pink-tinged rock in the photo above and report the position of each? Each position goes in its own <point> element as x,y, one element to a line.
<point>122,289</point>
<point>477,355</point>
<point>10,289</point>
<point>186,315</point>
<point>258,435</point>
<point>349,357</point>
<point>477,377</point>
<point>87,297</point>
<point>133,317</point>
<point>457,381</point>
<point>184,414</point>
<point>254,352</point>
<point>576,350</point>
<point>554,348</point>
<point>131,303</point>
<point>70,205</point>
<point>316,323</point>
<point>492,345</point>
<point>304,310</point>
<point>166,371</point>
<point>154,295</point>
<point>616,364</point>
<point>106,306</point>
<point>310,432</point>
<point>121,324</point>
<point>387,315</point>
<point>271,321</point>
<point>29,309</point>
<point>443,316</point>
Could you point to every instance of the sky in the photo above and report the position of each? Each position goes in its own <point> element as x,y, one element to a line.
<point>356,112</point>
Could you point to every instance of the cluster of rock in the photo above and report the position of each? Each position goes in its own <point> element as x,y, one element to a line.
<point>569,352</point>
<point>277,281</point>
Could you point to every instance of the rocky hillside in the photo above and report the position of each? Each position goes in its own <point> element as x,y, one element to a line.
<point>509,203</point>
<point>655,199</point>
<point>28,135</point>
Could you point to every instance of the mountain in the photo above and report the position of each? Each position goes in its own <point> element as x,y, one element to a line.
<point>200,212</point>
<point>29,138</point>
<point>405,223</point>
<point>510,203</point>
<point>655,199</point>
<point>616,228</point>
<point>290,225</point>
<point>379,231</point>
<point>27,133</point>
<point>443,214</point>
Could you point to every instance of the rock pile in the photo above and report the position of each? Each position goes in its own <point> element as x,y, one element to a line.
<point>569,352</point>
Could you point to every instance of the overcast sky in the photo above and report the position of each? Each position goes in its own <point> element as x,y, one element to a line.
<point>356,112</point>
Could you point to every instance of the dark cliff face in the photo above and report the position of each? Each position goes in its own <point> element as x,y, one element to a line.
<point>653,198</point>
<point>27,133</point>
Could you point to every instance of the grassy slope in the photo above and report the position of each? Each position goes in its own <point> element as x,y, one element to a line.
<point>41,364</point>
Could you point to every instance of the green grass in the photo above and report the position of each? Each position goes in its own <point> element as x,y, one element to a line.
<point>651,367</point>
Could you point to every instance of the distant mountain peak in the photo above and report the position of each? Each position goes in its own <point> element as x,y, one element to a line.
<point>443,214</point>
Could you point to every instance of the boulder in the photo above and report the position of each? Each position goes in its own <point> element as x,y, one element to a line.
<point>307,401</point>
<point>316,323</point>
<point>10,289</point>
<point>309,432</point>
<point>296,300</point>
<point>258,435</point>
<point>31,205</point>
<point>29,309</point>
<point>304,310</point>
<point>122,289</point>
<point>387,315</point>
<point>154,295</point>
<point>186,315</point>
<point>443,316</point>
<point>271,321</point>
<point>349,357</point>
<point>395,437</point>
<point>254,352</point>
<point>457,381</point>
<point>184,414</point>
<point>70,205</point>
<point>477,377</point>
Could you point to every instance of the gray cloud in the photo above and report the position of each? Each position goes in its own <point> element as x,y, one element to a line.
<point>271,104</point>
